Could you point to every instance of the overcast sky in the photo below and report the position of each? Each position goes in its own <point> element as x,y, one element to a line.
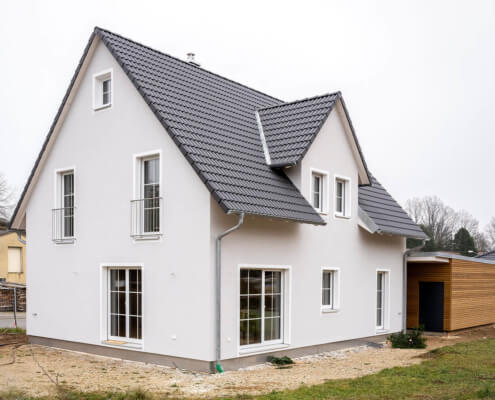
<point>418,77</point>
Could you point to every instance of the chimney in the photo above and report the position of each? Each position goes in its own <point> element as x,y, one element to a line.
<point>191,60</point>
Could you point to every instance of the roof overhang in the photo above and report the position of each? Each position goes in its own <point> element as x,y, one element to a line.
<point>440,257</point>
<point>363,172</point>
<point>365,222</point>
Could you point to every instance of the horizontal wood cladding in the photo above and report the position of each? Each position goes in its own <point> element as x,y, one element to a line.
<point>427,272</point>
<point>469,292</point>
<point>473,294</point>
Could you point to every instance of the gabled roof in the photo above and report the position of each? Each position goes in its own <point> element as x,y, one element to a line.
<point>488,256</point>
<point>290,128</point>
<point>214,122</point>
<point>386,214</point>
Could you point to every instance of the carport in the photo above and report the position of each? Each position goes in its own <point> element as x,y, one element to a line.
<point>448,292</point>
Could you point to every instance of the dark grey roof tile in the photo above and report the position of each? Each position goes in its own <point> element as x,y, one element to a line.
<point>290,128</point>
<point>386,213</point>
<point>213,121</point>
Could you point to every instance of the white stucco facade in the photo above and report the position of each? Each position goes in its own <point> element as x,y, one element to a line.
<point>303,250</point>
<point>65,293</point>
<point>67,297</point>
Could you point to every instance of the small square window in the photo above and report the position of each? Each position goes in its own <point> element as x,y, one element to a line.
<point>102,90</point>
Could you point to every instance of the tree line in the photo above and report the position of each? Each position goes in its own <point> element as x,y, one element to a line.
<point>448,229</point>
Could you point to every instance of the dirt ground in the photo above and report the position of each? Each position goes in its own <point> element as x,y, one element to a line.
<point>94,373</point>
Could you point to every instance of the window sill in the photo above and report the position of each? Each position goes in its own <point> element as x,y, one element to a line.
<point>122,344</point>
<point>262,349</point>
<point>326,310</point>
<point>104,107</point>
<point>147,236</point>
<point>64,241</point>
<point>340,216</point>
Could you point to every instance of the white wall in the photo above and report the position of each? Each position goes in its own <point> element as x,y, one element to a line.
<point>64,279</point>
<point>307,248</point>
<point>64,296</point>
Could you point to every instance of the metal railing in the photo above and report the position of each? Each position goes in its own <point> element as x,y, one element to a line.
<point>145,218</point>
<point>63,225</point>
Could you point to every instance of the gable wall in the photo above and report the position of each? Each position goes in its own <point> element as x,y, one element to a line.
<point>306,249</point>
<point>64,293</point>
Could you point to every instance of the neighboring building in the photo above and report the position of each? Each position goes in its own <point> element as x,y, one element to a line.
<point>12,256</point>
<point>448,292</point>
<point>183,155</point>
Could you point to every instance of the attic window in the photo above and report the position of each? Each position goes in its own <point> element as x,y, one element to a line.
<point>342,197</point>
<point>319,191</point>
<point>102,90</point>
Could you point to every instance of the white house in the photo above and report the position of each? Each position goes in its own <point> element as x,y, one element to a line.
<point>177,217</point>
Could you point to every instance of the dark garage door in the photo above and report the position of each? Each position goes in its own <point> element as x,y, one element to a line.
<point>431,306</point>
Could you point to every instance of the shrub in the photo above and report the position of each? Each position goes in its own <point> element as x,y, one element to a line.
<point>409,340</point>
<point>281,360</point>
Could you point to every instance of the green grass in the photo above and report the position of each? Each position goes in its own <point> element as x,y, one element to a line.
<point>17,331</point>
<point>463,371</point>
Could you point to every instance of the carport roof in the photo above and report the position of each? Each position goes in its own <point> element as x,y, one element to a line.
<point>439,257</point>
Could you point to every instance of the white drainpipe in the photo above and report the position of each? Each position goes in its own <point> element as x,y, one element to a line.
<point>218,290</point>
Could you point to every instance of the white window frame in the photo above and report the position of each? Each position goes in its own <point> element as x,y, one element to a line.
<point>285,311</point>
<point>17,249</point>
<point>347,197</point>
<point>324,190</point>
<point>98,80</point>
<point>335,306</point>
<point>58,201</point>
<point>133,344</point>
<point>385,300</point>
<point>137,190</point>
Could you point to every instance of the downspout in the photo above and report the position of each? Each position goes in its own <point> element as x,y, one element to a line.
<point>19,238</point>
<point>218,290</point>
<point>404,282</point>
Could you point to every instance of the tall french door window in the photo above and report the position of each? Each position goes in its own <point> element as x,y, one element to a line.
<point>260,306</point>
<point>125,303</point>
<point>151,195</point>
<point>67,204</point>
<point>380,299</point>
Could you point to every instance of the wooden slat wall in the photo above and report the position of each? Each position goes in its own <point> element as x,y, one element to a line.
<point>425,272</point>
<point>473,294</point>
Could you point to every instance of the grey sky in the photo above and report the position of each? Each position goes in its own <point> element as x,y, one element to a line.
<point>417,76</point>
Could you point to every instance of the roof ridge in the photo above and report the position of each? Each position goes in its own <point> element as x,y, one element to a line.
<point>338,93</point>
<point>97,28</point>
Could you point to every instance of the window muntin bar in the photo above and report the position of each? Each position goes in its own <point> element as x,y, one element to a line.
<point>260,306</point>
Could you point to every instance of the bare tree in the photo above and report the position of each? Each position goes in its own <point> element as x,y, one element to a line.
<point>441,222</point>
<point>6,198</point>
<point>436,219</point>
<point>490,234</point>
<point>467,221</point>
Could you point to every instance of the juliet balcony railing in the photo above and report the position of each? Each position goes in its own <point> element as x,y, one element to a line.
<point>63,225</point>
<point>145,218</point>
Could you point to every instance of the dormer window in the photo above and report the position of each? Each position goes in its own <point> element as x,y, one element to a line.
<point>319,191</point>
<point>342,197</point>
<point>102,90</point>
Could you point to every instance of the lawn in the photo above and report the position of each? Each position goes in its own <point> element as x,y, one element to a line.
<point>462,371</point>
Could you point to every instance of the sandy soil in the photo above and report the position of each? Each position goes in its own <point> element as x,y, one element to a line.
<point>93,373</point>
